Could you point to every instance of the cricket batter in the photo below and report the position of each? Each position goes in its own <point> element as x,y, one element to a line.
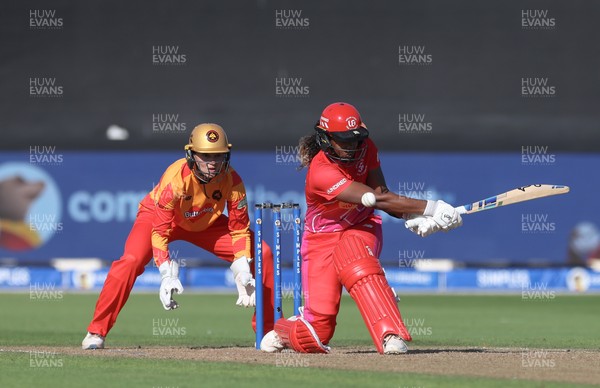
<point>187,204</point>
<point>342,239</point>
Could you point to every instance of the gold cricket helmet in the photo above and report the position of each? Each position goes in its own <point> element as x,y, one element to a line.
<point>208,139</point>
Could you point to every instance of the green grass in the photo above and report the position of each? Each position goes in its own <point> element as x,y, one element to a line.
<point>116,372</point>
<point>562,322</point>
<point>214,320</point>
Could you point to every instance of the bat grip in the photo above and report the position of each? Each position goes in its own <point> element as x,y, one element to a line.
<point>461,209</point>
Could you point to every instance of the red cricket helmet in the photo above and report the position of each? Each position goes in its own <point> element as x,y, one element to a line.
<point>341,122</point>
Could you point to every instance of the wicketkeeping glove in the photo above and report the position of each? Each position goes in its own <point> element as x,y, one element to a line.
<point>244,282</point>
<point>169,271</point>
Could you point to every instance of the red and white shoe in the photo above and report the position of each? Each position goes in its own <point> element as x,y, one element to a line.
<point>271,343</point>
<point>92,341</point>
<point>393,344</point>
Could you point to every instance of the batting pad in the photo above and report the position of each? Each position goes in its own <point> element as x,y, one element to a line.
<point>361,273</point>
<point>298,334</point>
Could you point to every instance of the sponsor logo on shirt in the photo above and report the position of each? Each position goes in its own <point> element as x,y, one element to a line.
<point>197,212</point>
<point>336,186</point>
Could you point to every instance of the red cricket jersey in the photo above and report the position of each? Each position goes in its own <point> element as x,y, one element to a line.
<point>325,179</point>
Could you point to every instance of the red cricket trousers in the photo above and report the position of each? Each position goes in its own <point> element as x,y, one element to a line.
<point>138,252</point>
<point>320,284</point>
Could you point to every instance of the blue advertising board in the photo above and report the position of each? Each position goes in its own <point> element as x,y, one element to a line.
<point>84,203</point>
<point>530,283</point>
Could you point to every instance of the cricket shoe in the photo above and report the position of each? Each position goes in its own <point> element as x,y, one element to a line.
<point>92,341</point>
<point>393,344</point>
<point>271,343</point>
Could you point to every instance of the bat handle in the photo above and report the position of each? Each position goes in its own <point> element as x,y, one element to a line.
<point>461,209</point>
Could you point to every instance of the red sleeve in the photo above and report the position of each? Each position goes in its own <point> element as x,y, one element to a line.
<point>327,181</point>
<point>372,156</point>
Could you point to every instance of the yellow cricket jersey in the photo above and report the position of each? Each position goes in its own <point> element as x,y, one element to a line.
<point>180,200</point>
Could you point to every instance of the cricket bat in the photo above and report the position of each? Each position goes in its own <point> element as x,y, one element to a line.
<point>520,194</point>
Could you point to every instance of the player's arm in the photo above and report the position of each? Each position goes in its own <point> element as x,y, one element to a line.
<point>239,221</point>
<point>164,214</point>
<point>436,215</point>
<point>391,203</point>
<point>385,200</point>
<point>239,229</point>
<point>161,230</point>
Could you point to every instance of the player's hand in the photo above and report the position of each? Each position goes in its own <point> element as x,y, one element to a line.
<point>444,215</point>
<point>422,225</point>
<point>244,282</point>
<point>169,271</point>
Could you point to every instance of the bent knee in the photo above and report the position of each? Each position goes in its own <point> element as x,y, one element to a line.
<point>324,326</point>
<point>130,263</point>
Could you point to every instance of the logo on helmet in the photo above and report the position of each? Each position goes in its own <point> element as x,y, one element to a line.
<point>323,122</point>
<point>212,136</point>
<point>351,122</point>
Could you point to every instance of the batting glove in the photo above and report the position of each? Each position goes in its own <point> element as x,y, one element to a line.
<point>444,215</point>
<point>169,271</point>
<point>422,225</point>
<point>244,282</point>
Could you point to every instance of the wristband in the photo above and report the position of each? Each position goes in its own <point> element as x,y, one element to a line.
<point>430,208</point>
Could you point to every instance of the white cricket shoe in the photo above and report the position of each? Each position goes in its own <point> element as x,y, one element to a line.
<point>271,343</point>
<point>393,344</point>
<point>92,341</point>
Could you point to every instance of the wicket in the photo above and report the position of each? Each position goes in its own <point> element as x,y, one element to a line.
<point>258,257</point>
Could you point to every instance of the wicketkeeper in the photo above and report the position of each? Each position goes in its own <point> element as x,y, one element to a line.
<point>187,204</point>
<point>342,238</point>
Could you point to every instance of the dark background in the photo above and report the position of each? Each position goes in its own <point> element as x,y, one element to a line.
<point>471,94</point>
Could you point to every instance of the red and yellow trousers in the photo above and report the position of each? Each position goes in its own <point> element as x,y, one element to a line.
<point>138,253</point>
